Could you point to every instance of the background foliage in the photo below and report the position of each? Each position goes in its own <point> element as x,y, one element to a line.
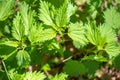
<point>59,39</point>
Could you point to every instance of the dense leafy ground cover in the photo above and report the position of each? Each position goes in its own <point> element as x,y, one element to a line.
<point>59,40</point>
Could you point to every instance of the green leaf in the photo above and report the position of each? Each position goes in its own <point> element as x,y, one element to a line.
<point>27,17</point>
<point>40,35</point>
<point>64,13</point>
<point>10,43</point>
<point>55,17</point>
<point>14,75</point>
<point>23,22</point>
<point>77,33</point>
<point>113,49</point>
<point>117,62</point>
<point>57,47</point>
<point>98,58</point>
<point>108,33</point>
<point>6,8</point>
<point>46,34</point>
<point>94,36</point>
<point>23,58</point>
<point>91,67</point>
<point>70,10</point>
<point>17,29</point>
<point>74,68</point>
<point>61,18</point>
<point>46,12</point>
<point>61,76</point>
<point>46,67</point>
<point>34,76</point>
<point>112,18</point>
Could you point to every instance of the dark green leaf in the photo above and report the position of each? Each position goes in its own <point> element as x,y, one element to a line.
<point>74,68</point>
<point>117,62</point>
<point>91,66</point>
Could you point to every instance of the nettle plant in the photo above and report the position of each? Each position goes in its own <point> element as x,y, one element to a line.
<point>35,39</point>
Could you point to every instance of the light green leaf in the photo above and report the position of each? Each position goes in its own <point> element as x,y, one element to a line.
<point>108,33</point>
<point>57,18</point>
<point>14,75</point>
<point>94,36</point>
<point>23,58</point>
<point>46,67</point>
<point>10,43</point>
<point>17,29</point>
<point>61,76</point>
<point>61,18</point>
<point>27,17</point>
<point>74,68</point>
<point>112,18</point>
<point>40,35</point>
<point>6,8</point>
<point>99,58</point>
<point>70,10</point>
<point>46,34</point>
<point>113,49</point>
<point>46,12</point>
<point>34,76</point>
<point>64,13</point>
<point>77,33</point>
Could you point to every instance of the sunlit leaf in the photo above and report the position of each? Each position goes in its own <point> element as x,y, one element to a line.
<point>112,18</point>
<point>108,33</point>
<point>34,76</point>
<point>45,13</point>
<point>27,17</point>
<point>61,76</point>
<point>18,28</point>
<point>113,49</point>
<point>77,33</point>
<point>6,8</point>
<point>40,35</point>
<point>94,36</point>
<point>10,43</point>
<point>99,58</point>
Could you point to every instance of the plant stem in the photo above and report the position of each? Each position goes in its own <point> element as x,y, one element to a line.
<point>11,54</point>
<point>5,69</point>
